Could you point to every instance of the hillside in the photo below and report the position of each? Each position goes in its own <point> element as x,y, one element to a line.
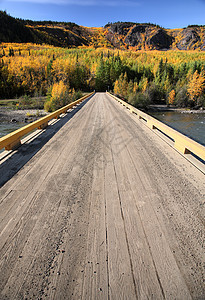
<point>149,37</point>
<point>120,35</point>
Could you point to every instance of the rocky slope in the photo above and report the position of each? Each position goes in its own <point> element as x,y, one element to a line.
<point>121,35</point>
<point>149,36</point>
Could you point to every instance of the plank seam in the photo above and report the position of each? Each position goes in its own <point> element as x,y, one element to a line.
<point>106,235</point>
<point>121,210</point>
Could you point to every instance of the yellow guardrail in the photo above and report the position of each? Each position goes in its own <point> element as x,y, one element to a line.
<point>12,140</point>
<point>182,143</point>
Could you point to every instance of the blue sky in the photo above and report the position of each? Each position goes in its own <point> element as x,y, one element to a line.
<point>169,14</point>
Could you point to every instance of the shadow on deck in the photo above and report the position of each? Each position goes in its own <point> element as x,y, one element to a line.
<point>13,163</point>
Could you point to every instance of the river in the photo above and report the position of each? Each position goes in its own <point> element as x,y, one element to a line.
<point>6,128</point>
<point>190,124</point>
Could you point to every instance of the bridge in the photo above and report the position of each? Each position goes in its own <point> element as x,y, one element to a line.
<point>100,205</point>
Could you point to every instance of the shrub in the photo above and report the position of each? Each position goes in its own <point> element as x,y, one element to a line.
<point>59,95</point>
<point>201,100</point>
<point>155,93</point>
<point>25,100</point>
<point>77,95</point>
<point>181,99</point>
<point>139,100</point>
<point>171,97</point>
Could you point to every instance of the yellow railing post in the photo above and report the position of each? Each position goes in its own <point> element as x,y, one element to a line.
<point>180,147</point>
<point>13,145</point>
<point>43,126</point>
<point>150,124</point>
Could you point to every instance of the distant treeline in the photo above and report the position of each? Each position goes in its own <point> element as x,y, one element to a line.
<point>141,78</point>
<point>45,23</point>
<point>191,26</point>
<point>131,24</point>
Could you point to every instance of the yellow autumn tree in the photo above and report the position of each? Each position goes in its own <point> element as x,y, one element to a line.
<point>196,85</point>
<point>167,84</point>
<point>121,85</point>
<point>171,97</point>
<point>116,87</point>
<point>58,91</point>
<point>143,84</point>
<point>124,85</point>
<point>57,97</point>
<point>135,88</point>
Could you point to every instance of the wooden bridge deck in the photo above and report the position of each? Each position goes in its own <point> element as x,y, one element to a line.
<point>104,210</point>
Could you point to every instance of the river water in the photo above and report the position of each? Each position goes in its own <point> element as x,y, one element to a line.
<point>6,128</point>
<point>190,124</point>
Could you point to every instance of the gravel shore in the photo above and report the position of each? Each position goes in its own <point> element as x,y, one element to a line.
<point>163,108</point>
<point>21,116</point>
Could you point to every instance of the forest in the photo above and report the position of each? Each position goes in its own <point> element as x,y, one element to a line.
<point>141,78</point>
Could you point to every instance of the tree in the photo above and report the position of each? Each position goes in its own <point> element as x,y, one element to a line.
<point>143,84</point>
<point>57,96</point>
<point>121,86</point>
<point>116,87</point>
<point>100,86</point>
<point>181,99</point>
<point>107,80</point>
<point>124,85</point>
<point>11,52</point>
<point>171,97</point>
<point>160,70</point>
<point>130,87</point>
<point>196,85</point>
<point>49,71</point>
<point>167,84</point>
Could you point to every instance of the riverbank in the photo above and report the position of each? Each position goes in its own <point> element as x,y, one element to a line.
<point>165,108</point>
<point>20,115</point>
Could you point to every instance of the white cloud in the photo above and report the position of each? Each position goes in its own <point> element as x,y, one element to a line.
<point>113,3</point>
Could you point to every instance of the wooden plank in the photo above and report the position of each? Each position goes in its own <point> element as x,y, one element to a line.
<point>121,281</point>
<point>95,283</point>
<point>69,284</point>
<point>18,253</point>
<point>144,272</point>
<point>73,264</point>
<point>19,208</point>
<point>168,275</point>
